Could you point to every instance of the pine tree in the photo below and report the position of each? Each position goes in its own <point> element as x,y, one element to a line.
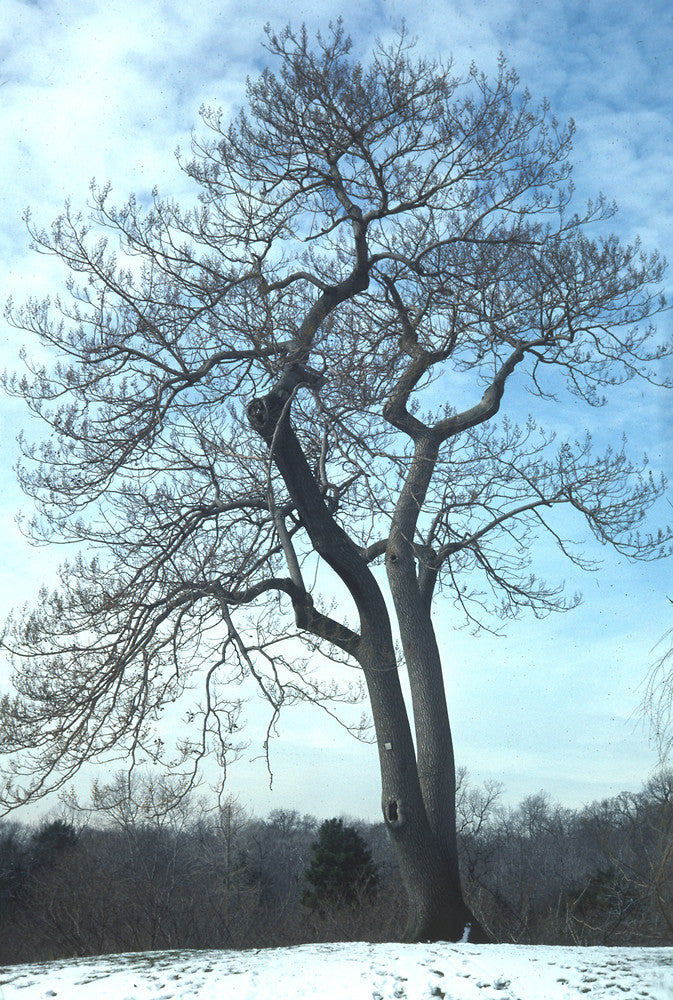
<point>52,837</point>
<point>342,869</point>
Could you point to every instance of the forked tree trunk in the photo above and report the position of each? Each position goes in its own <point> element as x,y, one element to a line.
<point>437,909</point>
<point>423,835</point>
<point>411,583</point>
<point>428,863</point>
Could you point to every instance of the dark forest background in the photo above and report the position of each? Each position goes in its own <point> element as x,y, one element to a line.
<point>130,875</point>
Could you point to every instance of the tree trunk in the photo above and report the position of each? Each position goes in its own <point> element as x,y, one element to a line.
<point>443,911</point>
<point>426,850</point>
<point>439,911</point>
<point>428,865</point>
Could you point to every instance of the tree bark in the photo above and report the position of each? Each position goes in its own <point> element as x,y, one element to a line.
<point>426,851</point>
<point>428,865</point>
<point>434,743</point>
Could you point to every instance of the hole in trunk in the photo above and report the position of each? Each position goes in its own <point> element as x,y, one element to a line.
<point>393,812</point>
<point>256,411</point>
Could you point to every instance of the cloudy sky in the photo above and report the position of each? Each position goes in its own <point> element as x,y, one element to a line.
<point>109,89</point>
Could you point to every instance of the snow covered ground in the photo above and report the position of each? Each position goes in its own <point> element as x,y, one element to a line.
<point>354,972</point>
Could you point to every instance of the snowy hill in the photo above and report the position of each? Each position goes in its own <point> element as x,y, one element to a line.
<point>354,972</point>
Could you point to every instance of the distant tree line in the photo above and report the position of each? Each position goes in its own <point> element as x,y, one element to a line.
<point>134,876</point>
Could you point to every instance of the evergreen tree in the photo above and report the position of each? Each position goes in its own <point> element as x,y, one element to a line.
<point>52,837</point>
<point>342,868</point>
<point>12,868</point>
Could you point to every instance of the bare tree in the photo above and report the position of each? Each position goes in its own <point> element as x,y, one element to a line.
<point>271,395</point>
<point>657,705</point>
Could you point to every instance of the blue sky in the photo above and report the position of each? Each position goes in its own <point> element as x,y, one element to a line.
<point>109,90</point>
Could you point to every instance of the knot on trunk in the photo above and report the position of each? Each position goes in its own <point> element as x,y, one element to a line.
<point>264,412</point>
<point>257,412</point>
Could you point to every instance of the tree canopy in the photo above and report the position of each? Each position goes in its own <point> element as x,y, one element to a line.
<point>299,379</point>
